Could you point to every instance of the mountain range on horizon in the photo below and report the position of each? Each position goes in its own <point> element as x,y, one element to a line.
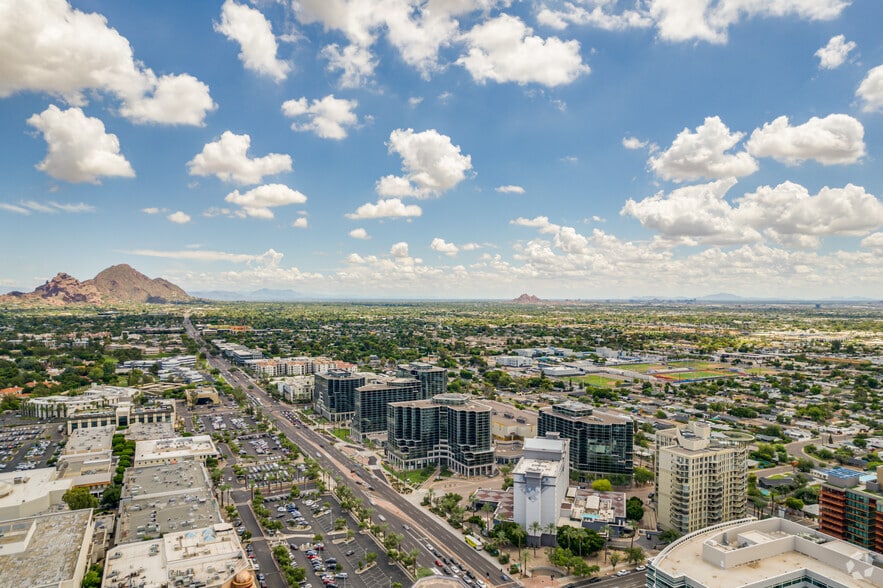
<point>120,284</point>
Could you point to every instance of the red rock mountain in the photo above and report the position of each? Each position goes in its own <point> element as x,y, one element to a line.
<point>117,284</point>
<point>527,299</point>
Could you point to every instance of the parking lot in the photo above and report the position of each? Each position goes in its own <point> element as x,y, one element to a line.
<point>321,513</point>
<point>29,446</point>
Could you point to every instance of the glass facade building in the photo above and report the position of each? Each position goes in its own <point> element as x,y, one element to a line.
<point>370,406</point>
<point>334,394</point>
<point>433,379</point>
<point>450,430</point>
<point>600,443</point>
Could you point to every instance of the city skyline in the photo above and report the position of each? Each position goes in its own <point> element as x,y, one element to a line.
<point>446,148</point>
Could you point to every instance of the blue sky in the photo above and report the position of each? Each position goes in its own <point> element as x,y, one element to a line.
<point>446,148</point>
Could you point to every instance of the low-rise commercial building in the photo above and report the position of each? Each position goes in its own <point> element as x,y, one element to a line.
<point>772,553</point>
<point>169,451</point>
<point>209,557</point>
<point>50,550</point>
<point>96,398</point>
<point>160,499</point>
<point>24,494</point>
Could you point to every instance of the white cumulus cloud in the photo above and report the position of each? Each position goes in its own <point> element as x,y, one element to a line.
<point>47,46</point>
<point>696,214</point>
<point>327,117</point>
<point>873,241</point>
<point>789,214</point>
<point>79,149</point>
<point>600,15</point>
<point>399,249</point>
<point>227,158</point>
<point>442,246</point>
<point>173,100</point>
<point>385,208</point>
<point>703,154</point>
<point>300,223</point>
<point>504,49</point>
<point>509,189</point>
<point>179,217</point>
<point>786,214</point>
<point>251,29</point>
<point>870,91</point>
<point>634,143</point>
<point>837,138</point>
<point>710,20</point>
<point>259,202</point>
<point>359,233</point>
<point>834,54</point>
<point>431,163</point>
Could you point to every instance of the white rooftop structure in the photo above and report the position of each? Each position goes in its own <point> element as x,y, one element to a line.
<point>24,494</point>
<point>763,554</point>
<point>167,451</point>
<point>540,479</point>
<point>45,551</point>
<point>211,557</point>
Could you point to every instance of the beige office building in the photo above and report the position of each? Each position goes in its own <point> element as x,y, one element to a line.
<point>701,478</point>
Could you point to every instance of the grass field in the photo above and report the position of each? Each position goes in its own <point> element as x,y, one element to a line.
<point>598,381</point>
<point>694,375</point>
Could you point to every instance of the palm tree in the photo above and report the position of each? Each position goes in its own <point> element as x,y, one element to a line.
<point>487,508</point>
<point>535,529</point>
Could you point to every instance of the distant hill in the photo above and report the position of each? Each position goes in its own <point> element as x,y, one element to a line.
<point>527,299</point>
<point>721,297</point>
<point>117,284</point>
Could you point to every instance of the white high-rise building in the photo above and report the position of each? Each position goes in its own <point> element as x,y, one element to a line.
<point>701,479</point>
<point>540,485</point>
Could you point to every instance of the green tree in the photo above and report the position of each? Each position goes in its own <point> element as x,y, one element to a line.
<point>602,485</point>
<point>79,498</point>
<point>92,579</point>
<point>635,555</point>
<point>370,557</point>
<point>643,476</point>
<point>110,498</point>
<point>614,559</point>
<point>634,509</point>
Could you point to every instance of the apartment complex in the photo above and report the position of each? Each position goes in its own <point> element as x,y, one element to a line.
<point>449,430</point>
<point>600,442</point>
<point>370,405</point>
<point>541,478</point>
<point>334,394</point>
<point>701,479</point>
<point>433,379</point>
<point>852,510</point>
<point>772,553</point>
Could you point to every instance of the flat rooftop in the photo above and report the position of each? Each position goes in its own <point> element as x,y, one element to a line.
<point>150,431</point>
<point>43,550</point>
<point>212,555</point>
<point>752,552</point>
<point>175,448</point>
<point>19,487</point>
<point>89,440</point>
<point>162,499</point>
<point>578,411</point>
